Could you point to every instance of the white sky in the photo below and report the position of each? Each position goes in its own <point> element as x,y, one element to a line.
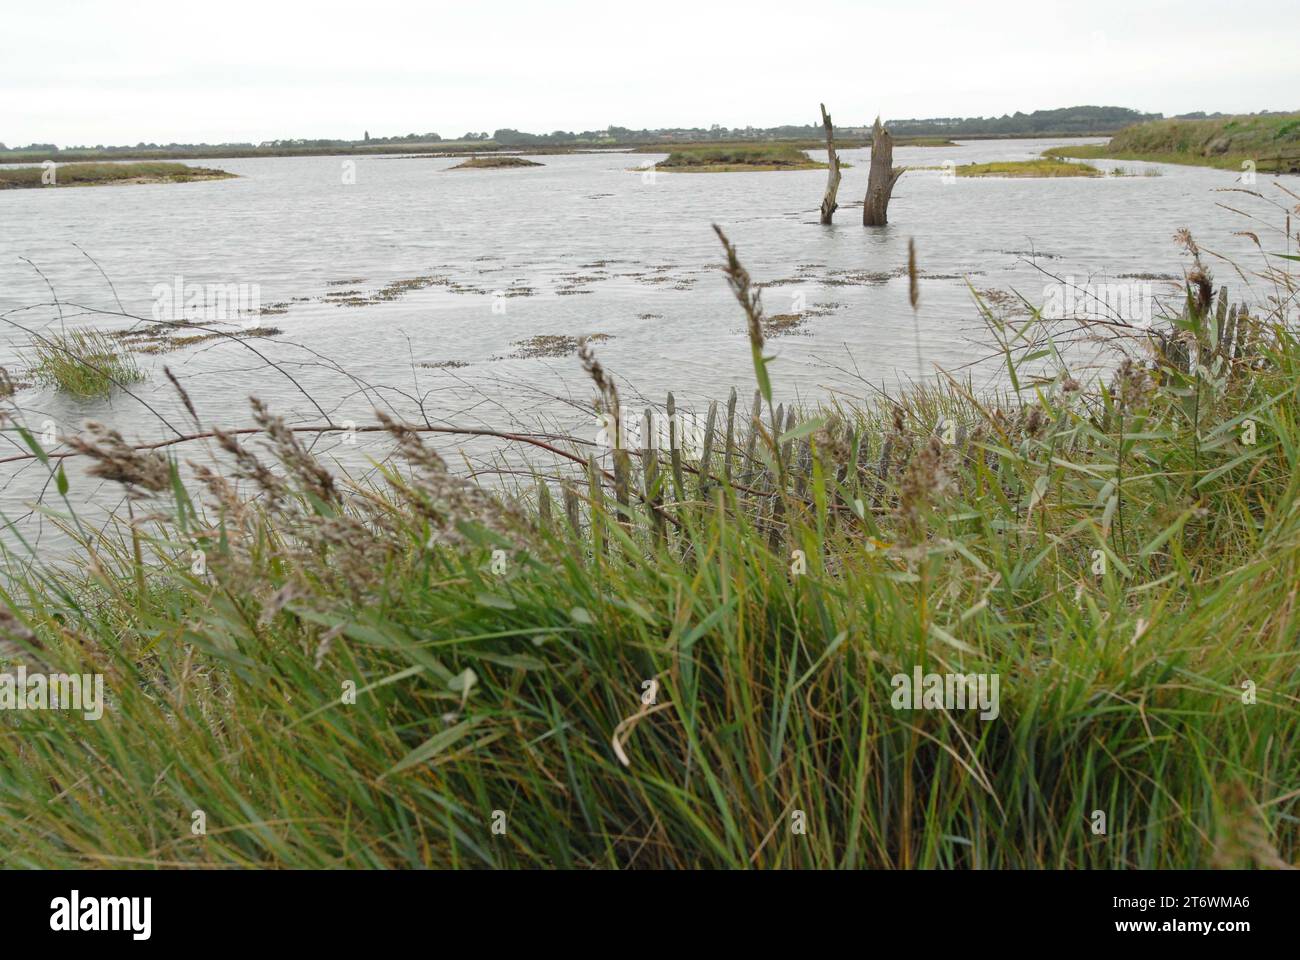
<point>88,72</point>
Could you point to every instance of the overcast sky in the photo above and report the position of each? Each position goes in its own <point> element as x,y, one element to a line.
<point>78,72</point>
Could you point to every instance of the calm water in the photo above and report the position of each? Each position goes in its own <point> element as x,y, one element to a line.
<point>581,245</point>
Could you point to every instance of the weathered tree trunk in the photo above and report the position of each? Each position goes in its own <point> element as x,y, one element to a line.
<point>881,180</point>
<point>833,175</point>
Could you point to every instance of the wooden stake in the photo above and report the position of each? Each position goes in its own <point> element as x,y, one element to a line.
<point>675,451</point>
<point>731,434</point>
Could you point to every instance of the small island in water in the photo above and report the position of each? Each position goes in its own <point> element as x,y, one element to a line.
<point>1028,168</point>
<point>99,174</point>
<point>739,159</point>
<point>495,163</point>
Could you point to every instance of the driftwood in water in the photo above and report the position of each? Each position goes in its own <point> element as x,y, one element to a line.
<point>833,175</point>
<point>881,180</point>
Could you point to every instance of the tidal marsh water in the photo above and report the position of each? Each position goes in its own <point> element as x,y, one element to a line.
<point>419,287</point>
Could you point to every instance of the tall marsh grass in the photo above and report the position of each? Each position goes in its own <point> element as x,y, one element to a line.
<point>671,660</point>
<point>83,362</point>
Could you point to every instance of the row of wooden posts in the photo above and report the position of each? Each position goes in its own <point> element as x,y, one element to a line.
<point>728,454</point>
<point>728,457</point>
<point>1233,336</point>
<point>1281,164</point>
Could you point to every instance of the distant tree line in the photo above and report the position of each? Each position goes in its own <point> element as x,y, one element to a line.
<point>1083,120</point>
<point>1080,120</point>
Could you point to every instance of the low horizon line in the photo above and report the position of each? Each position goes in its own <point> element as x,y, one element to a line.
<point>1153,115</point>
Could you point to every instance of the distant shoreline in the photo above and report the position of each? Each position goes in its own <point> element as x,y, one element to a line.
<point>1268,144</point>
<point>450,149</point>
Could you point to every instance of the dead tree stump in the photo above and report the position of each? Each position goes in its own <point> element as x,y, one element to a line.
<point>833,175</point>
<point>881,179</point>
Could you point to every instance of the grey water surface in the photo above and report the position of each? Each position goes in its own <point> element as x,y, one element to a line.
<point>399,283</point>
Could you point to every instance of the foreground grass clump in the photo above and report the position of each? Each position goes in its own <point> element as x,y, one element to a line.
<point>84,363</point>
<point>92,174</point>
<point>495,163</point>
<point>1225,142</point>
<point>665,659</point>
<point>1027,168</point>
<point>738,159</point>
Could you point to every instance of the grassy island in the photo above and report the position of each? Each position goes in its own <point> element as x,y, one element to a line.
<point>496,163</point>
<point>732,159</point>
<point>1028,168</point>
<point>98,174</point>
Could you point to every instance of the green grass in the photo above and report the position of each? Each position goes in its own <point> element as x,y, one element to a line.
<point>84,363</point>
<point>343,675</point>
<point>1225,142</point>
<point>90,174</point>
<point>1027,168</point>
<point>1101,152</point>
<point>734,159</point>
